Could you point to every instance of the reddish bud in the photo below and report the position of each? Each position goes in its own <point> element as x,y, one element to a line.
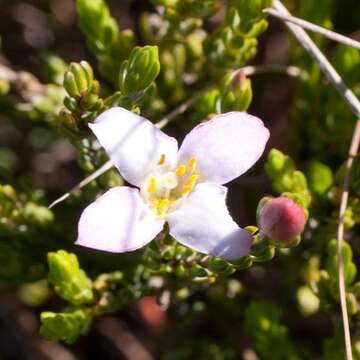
<point>239,80</point>
<point>282,220</point>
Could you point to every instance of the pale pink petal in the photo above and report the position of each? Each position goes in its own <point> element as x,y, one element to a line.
<point>203,223</point>
<point>226,146</point>
<point>133,143</point>
<point>118,221</point>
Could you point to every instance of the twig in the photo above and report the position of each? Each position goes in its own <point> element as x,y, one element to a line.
<point>348,95</point>
<point>103,169</point>
<point>319,57</point>
<point>248,71</point>
<point>353,150</point>
<point>315,28</point>
<point>280,69</point>
<point>180,109</point>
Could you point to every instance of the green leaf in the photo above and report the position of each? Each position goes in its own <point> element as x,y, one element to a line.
<point>65,326</point>
<point>70,282</point>
<point>93,17</point>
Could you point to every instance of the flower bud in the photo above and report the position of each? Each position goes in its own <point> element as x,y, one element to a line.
<point>282,220</point>
<point>79,78</point>
<point>236,92</point>
<point>278,163</point>
<point>242,89</point>
<point>70,84</point>
<point>140,70</point>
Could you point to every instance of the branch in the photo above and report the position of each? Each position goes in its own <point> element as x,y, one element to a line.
<point>248,71</point>
<point>180,109</point>
<point>102,170</point>
<point>320,58</point>
<point>348,95</point>
<point>292,71</point>
<point>314,28</point>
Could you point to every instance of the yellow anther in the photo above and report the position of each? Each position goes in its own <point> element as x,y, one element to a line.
<point>192,164</point>
<point>180,170</point>
<point>152,185</point>
<point>162,159</point>
<point>190,183</point>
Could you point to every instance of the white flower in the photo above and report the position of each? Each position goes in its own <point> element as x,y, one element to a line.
<point>182,187</point>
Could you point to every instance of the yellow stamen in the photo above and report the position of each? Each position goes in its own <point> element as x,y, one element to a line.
<point>192,164</point>
<point>162,159</point>
<point>152,185</point>
<point>161,206</point>
<point>190,182</point>
<point>180,170</point>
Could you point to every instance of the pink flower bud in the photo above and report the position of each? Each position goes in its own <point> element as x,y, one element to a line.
<point>282,220</point>
<point>238,80</point>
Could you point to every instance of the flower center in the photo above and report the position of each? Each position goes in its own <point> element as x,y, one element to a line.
<point>164,190</point>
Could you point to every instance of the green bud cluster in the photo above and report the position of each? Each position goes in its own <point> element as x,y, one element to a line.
<point>83,102</point>
<point>139,71</point>
<point>172,259</point>
<point>234,43</point>
<point>236,92</point>
<point>79,80</point>
<point>86,298</point>
<point>287,180</point>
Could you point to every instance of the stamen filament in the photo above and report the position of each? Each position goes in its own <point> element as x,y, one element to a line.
<point>192,164</point>
<point>152,185</point>
<point>190,182</point>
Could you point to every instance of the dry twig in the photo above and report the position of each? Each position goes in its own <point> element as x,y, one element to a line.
<point>320,58</point>
<point>314,28</point>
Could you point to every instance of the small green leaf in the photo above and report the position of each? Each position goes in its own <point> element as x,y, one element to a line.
<point>70,282</point>
<point>65,326</point>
